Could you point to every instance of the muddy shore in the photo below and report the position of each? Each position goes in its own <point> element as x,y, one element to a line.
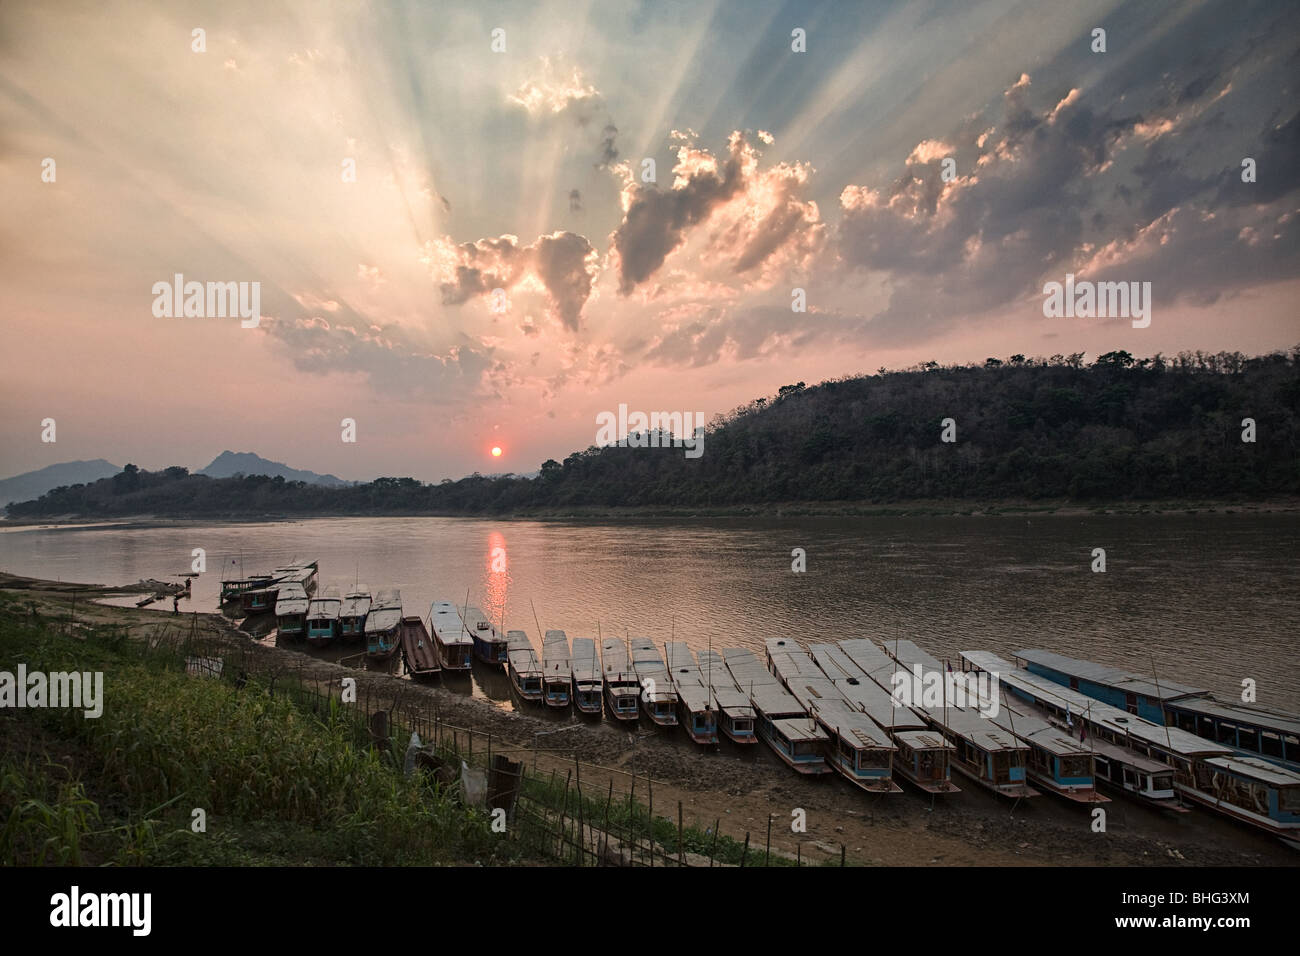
<point>741,788</point>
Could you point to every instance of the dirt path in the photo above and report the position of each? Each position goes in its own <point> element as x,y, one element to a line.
<point>740,787</point>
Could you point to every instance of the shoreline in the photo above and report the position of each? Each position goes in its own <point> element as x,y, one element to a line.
<point>915,509</point>
<point>744,788</point>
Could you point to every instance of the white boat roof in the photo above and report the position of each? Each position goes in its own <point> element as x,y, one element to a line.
<point>290,591</point>
<point>386,598</point>
<point>694,695</point>
<point>747,671</point>
<point>1122,680</point>
<point>852,725</point>
<point>1259,769</point>
<point>324,608</point>
<point>800,729</point>
<point>871,660</point>
<point>523,659</point>
<point>774,701</point>
<point>447,626</point>
<point>923,739</point>
<point>834,663</point>
<point>877,703</point>
<point>357,606</point>
<point>586,666</point>
<point>1278,721</point>
<point>555,655</point>
<point>383,618</point>
<point>614,662</point>
<point>474,617</point>
<point>291,604</point>
<point>1082,706</point>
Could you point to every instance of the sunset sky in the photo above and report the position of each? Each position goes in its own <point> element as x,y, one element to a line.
<point>521,170</point>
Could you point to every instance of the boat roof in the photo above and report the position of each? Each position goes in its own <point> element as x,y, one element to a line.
<point>474,617</point>
<point>586,667</point>
<point>870,659</point>
<point>809,690</point>
<point>383,618</point>
<point>851,725</point>
<point>293,604</point>
<point>613,657</point>
<point>1278,721</point>
<point>1258,769</point>
<point>877,703</point>
<point>773,700</point>
<point>976,728</point>
<point>923,739</point>
<point>355,606</point>
<point>747,671</point>
<point>555,655</point>
<point>834,663</point>
<point>694,695</point>
<point>523,659</point>
<point>446,624</point>
<point>800,729</point>
<point>291,591</point>
<point>1122,680</point>
<point>386,598</point>
<point>324,608</point>
<point>1117,721</point>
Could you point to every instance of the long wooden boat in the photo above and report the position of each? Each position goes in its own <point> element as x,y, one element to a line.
<point>783,724</point>
<point>736,715</point>
<point>1248,789</point>
<point>352,614</point>
<point>490,647</point>
<point>658,699</point>
<point>383,624</point>
<point>857,748</point>
<point>557,669</point>
<point>622,689</point>
<point>259,600</point>
<point>232,589</point>
<point>588,688</point>
<point>323,618</point>
<point>455,646</point>
<point>418,649</point>
<point>522,666</point>
<point>923,755</point>
<point>291,606</point>
<point>1250,730</point>
<point>695,711</point>
<point>988,755</point>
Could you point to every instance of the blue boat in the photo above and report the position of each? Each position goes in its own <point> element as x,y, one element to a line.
<point>323,618</point>
<point>782,723</point>
<point>384,624</point>
<point>490,647</point>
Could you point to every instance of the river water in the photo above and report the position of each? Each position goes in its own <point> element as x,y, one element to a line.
<point>1205,599</point>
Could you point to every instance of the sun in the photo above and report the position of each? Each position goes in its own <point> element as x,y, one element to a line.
<point>496,451</point>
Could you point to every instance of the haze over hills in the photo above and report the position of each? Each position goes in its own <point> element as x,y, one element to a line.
<point>33,484</point>
<point>231,463</point>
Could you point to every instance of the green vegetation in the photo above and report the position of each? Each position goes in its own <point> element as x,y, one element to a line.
<point>1120,429</point>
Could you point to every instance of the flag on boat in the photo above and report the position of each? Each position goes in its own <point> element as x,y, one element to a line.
<point>1069,721</point>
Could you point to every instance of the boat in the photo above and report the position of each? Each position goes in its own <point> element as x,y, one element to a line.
<point>291,606</point>
<point>489,646</point>
<point>735,712</point>
<point>557,669</point>
<point>856,747</point>
<point>455,646</point>
<point>1248,789</point>
<point>522,666</point>
<point>587,685</point>
<point>232,589</point>
<point>383,624</point>
<point>1249,730</point>
<point>418,649</point>
<point>323,618</point>
<point>262,591</point>
<point>622,689</point>
<point>783,724</point>
<point>923,755</point>
<point>352,614</point>
<point>985,753</point>
<point>258,600</point>
<point>658,699</point>
<point>695,711</point>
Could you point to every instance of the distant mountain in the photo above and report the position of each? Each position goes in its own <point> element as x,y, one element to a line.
<point>33,484</point>
<point>231,463</point>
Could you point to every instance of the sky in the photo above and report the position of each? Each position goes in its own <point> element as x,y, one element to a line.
<point>447,210</point>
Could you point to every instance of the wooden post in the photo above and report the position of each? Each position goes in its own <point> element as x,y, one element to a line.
<point>745,852</point>
<point>605,828</point>
<point>767,860</point>
<point>650,788</point>
<point>681,848</point>
<point>714,849</point>
<point>582,833</point>
<point>841,854</point>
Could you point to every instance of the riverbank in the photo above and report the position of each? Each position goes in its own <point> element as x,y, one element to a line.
<point>740,791</point>
<point>928,509</point>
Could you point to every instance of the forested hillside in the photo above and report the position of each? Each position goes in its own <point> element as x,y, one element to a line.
<point>1118,429</point>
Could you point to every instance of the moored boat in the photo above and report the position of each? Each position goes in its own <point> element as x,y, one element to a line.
<point>735,713</point>
<point>522,666</point>
<point>323,618</point>
<point>658,699</point>
<point>352,613</point>
<point>455,646</point>
<point>291,606</point>
<point>695,711</point>
<point>783,724</point>
<point>622,689</point>
<point>588,688</point>
<point>383,624</point>
<point>557,669</point>
<point>418,649</point>
<point>490,646</point>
